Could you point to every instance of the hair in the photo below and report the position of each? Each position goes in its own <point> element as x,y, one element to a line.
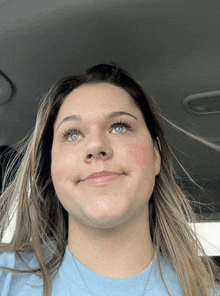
<point>42,220</point>
<point>6,154</point>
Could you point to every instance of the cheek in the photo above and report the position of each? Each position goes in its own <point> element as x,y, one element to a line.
<point>56,171</point>
<point>57,174</point>
<point>61,166</point>
<point>142,155</point>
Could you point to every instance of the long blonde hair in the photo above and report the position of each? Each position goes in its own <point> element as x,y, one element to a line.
<point>41,219</point>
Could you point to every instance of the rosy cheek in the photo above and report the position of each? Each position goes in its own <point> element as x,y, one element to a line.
<point>142,155</point>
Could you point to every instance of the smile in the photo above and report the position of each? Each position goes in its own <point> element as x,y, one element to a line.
<point>103,180</point>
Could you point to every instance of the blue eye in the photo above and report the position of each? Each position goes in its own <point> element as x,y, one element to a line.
<point>120,126</point>
<point>119,129</point>
<point>72,135</point>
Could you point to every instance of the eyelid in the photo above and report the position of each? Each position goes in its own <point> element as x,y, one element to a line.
<point>69,131</point>
<point>126,124</point>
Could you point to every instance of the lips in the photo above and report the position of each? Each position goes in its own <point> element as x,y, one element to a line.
<point>101,174</point>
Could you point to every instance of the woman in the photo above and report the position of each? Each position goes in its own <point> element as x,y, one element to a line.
<point>99,209</point>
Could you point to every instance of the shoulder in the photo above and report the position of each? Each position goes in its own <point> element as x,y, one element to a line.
<point>170,278</point>
<point>218,289</point>
<point>12,260</point>
<point>7,259</point>
<point>13,283</point>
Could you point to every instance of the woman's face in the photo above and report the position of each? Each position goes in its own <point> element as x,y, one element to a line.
<point>99,128</point>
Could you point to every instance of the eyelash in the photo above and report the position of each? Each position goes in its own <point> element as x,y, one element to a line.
<point>69,132</point>
<point>124,123</point>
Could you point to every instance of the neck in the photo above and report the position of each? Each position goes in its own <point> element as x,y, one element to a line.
<point>118,252</point>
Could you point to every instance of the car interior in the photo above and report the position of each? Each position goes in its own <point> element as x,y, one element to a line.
<point>172,47</point>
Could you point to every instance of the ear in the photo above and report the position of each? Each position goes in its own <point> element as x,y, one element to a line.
<point>157,157</point>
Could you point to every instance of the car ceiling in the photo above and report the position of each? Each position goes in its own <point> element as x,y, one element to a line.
<point>172,47</point>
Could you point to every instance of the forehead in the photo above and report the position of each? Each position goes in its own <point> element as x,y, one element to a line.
<point>96,98</point>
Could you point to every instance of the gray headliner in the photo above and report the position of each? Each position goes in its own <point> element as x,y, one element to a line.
<point>172,47</point>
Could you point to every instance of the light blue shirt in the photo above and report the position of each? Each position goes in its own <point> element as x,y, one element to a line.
<point>69,282</point>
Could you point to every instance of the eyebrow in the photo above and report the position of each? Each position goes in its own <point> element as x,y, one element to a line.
<point>110,115</point>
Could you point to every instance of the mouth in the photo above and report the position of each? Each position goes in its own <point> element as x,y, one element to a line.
<point>102,180</point>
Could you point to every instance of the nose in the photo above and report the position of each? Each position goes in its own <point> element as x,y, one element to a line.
<point>98,147</point>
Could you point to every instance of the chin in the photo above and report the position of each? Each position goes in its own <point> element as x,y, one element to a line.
<point>108,221</point>
<point>107,224</point>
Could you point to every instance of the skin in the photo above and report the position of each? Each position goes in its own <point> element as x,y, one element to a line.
<point>109,219</point>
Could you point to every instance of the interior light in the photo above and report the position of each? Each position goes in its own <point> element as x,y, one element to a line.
<point>6,89</point>
<point>203,103</point>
